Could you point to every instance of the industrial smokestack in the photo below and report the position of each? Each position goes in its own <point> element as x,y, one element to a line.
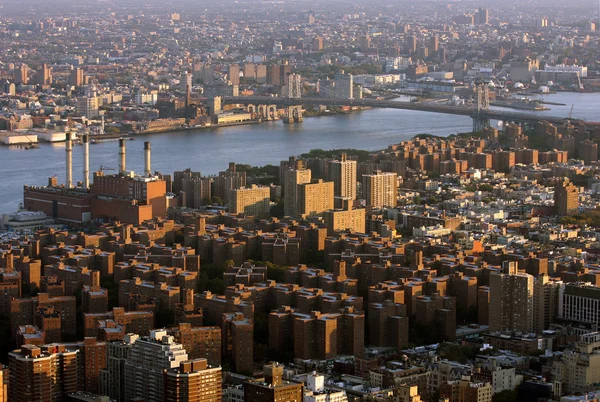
<point>122,156</point>
<point>147,171</point>
<point>86,161</point>
<point>69,153</point>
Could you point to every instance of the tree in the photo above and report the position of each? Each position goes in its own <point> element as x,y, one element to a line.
<point>505,396</point>
<point>277,210</point>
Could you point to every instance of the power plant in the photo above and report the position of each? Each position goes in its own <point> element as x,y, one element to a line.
<point>124,197</point>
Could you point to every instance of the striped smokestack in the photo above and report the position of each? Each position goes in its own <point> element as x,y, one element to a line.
<point>86,161</point>
<point>147,171</point>
<point>69,161</point>
<point>122,156</point>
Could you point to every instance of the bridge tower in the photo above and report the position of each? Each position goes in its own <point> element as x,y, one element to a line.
<point>482,105</point>
<point>293,90</point>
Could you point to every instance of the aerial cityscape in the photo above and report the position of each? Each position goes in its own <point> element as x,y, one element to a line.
<point>294,201</point>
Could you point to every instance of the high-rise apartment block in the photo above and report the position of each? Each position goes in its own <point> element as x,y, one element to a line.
<point>23,312</point>
<point>87,106</point>
<point>238,341</point>
<point>199,342</point>
<point>43,373</point>
<point>233,75</point>
<point>343,174</point>
<point>293,178</point>
<point>344,86</point>
<point>228,180</point>
<point>388,324</point>
<point>482,16</point>
<point>112,377</point>
<point>21,75</point>
<point>77,77</point>
<point>94,299</point>
<point>252,201</point>
<point>465,390</point>
<point>566,198</point>
<point>511,300</point>
<point>380,189</point>
<point>44,75</point>
<point>578,371</point>
<point>193,381</point>
<point>323,336</point>
<point>273,387</point>
<point>148,358</point>
<point>346,218</point>
<point>314,198</point>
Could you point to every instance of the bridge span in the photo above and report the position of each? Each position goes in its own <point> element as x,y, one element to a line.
<point>489,114</point>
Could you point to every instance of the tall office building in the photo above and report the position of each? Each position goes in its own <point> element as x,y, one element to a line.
<point>566,198</point>
<point>43,373</point>
<point>343,175</point>
<point>272,388</point>
<point>511,300</point>
<point>293,178</point>
<point>148,358</point>
<point>380,189</point>
<point>193,381</point>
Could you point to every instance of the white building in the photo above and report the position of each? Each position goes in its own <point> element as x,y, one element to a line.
<point>564,68</point>
<point>315,390</point>
<point>149,98</point>
<point>144,368</point>
<point>87,106</point>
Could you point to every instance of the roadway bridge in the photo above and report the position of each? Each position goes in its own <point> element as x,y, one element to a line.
<point>489,114</point>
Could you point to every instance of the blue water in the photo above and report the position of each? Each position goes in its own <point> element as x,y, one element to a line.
<point>209,151</point>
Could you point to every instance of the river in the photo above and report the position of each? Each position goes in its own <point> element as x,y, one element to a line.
<point>209,150</point>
